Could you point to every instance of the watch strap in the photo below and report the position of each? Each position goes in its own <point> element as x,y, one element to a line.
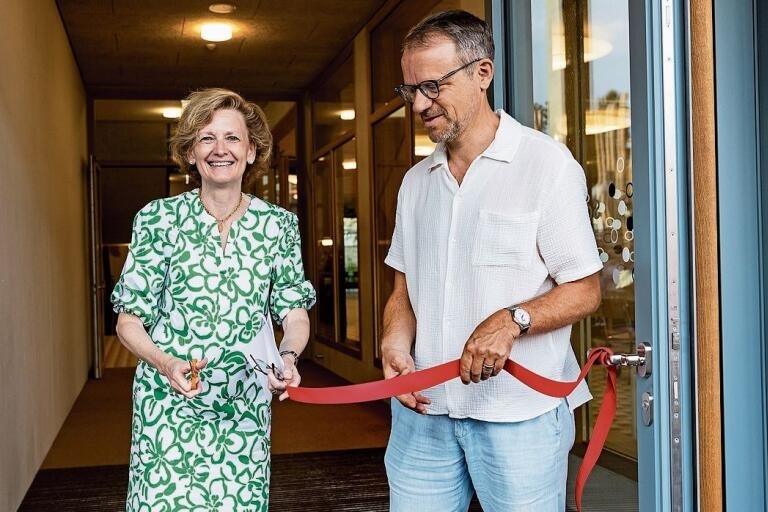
<point>291,353</point>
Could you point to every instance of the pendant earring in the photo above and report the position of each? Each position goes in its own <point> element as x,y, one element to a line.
<point>186,179</point>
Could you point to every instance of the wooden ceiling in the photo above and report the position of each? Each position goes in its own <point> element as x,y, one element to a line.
<point>151,49</point>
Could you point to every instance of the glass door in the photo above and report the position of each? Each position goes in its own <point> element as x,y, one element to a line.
<point>391,160</point>
<point>581,97</point>
<point>598,84</point>
<point>325,272</point>
<point>345,181</point>
<point>336,253</point>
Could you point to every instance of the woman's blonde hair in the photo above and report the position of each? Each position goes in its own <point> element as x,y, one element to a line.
<point>198,112</point>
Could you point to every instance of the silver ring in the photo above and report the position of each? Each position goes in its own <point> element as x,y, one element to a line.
<point>488,368</point>
<point>277,391</point>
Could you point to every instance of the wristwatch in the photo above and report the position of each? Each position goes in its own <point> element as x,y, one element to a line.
<point>521,317</point>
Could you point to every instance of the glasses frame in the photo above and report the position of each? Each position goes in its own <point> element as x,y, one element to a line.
<point>402,88</point>
<point>265,368</point>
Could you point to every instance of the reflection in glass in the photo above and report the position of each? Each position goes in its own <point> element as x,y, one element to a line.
<point>588,108</point>
<point>324,282</point>
<point>391,159</point>
<point>548,47</point>
<point>422,145</point>
<point>333,113</point>
<point>346,215</point>
<point>608,163</point>
<point>293,189</point>
<point>264,186</point>
<point>337,271</point>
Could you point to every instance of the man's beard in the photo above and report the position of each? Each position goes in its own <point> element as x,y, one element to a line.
<point>449,134</point>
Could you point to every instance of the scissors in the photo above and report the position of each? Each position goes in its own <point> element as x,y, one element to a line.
<point>194,378</point>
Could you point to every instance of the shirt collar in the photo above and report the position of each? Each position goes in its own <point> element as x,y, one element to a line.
<point>503,147</point>
<point>507,139</point>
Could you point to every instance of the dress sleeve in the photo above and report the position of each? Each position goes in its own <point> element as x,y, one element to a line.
<point>290,289</point>
<point>140,286</point>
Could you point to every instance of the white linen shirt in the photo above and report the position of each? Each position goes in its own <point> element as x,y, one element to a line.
<point>516,226</point>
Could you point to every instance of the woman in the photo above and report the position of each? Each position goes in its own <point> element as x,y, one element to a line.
<point>203,269</point>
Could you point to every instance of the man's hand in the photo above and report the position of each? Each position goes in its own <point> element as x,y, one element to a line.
<point>396,362</point>
<point>488,347</point>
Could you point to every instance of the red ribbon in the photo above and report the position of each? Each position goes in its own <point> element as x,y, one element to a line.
<point>431,377</point>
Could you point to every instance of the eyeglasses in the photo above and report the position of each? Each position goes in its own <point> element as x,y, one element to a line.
<point>429,88</point>
<point>265,368</point>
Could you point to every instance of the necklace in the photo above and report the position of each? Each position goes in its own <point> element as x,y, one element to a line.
<point>220,221</point>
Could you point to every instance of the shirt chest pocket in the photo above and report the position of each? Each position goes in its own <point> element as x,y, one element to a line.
<point>504,239</point>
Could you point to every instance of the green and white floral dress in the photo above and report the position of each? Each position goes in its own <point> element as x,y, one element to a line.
<point>212,452</point>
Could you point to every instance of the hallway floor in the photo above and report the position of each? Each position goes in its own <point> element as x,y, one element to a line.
<point>96,437</point>
<point>97,431</point>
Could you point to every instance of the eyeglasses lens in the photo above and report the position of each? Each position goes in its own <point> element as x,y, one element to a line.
<point>430,89</point>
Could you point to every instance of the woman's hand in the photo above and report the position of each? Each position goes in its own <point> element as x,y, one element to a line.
<point>175,370</point>
<point>295,336</point>
<point>291,377</point>
<point>132,334</point>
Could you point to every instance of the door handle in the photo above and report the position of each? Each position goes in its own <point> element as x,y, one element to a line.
<point>641,359</point>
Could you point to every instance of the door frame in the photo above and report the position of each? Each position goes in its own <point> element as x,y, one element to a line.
<point>740,113</point>
<point>663,284</point>
<point>96,254</point>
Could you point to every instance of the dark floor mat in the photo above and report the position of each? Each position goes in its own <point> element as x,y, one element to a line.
<point>340,481</point>
<point>343,481</point>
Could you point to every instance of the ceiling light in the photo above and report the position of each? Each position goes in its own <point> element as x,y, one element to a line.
<point>347,115</point>
<point>216,32</point>
<point>222,8</point>
<point>172,112</point>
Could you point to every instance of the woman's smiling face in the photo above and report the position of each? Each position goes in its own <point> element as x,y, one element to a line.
<point>222,149</point>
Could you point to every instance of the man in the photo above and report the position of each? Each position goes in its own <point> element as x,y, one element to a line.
<point>495,259</point>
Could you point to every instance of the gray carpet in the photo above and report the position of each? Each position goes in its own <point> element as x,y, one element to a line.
<point>604,490</point>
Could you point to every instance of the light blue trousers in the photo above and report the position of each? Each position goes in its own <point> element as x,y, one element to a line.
<point>435,462</point>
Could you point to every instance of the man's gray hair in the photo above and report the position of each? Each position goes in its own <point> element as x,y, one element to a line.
<point>470,34</point>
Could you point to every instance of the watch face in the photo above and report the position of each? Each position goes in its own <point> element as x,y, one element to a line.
<point>522,316</point>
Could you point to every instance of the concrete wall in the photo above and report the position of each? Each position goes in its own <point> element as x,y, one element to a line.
<point>44,302</point>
